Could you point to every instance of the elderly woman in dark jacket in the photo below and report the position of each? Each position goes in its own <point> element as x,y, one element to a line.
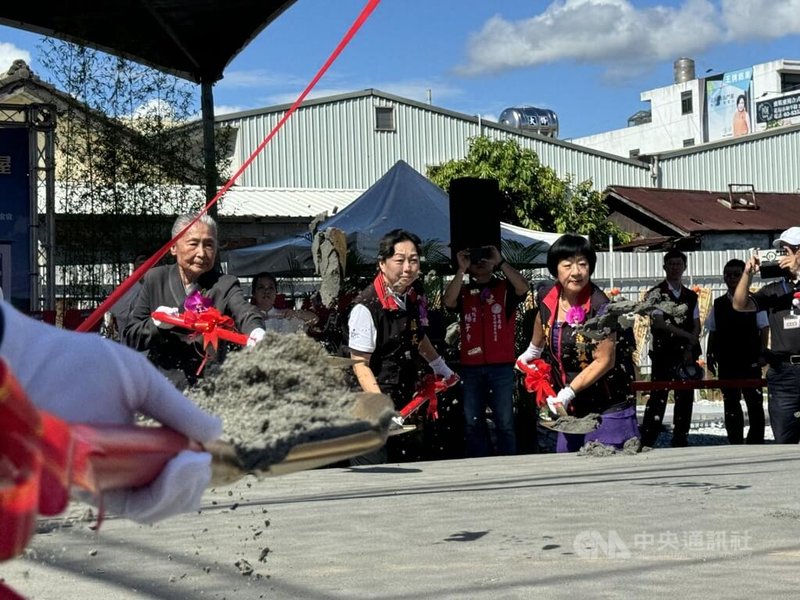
<point>591,376</point>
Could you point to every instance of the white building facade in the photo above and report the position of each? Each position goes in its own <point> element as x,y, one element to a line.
<point>694,111</point>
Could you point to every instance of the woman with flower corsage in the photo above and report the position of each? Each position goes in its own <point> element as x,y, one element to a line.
<point>190,286</point>
<point>589,375</point>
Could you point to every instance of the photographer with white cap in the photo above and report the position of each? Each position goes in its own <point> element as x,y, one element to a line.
<point>781,301</point>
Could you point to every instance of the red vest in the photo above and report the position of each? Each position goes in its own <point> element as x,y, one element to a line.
<point>487,335</point>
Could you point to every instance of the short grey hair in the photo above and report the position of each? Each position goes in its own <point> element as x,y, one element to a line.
<point>183,220</point>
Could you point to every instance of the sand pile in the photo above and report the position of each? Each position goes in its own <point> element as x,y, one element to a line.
<point>280,393</point>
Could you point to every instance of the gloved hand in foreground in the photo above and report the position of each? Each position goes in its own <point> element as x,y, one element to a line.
<point>560,403</point>
<point>84,378</point>
<point>255,336</point>
<point>170,310</point>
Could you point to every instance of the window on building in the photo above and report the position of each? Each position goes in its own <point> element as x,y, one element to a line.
<point>688,142</point>
<point>384,118</point>
<point>790,82</point>
<point>633,153</point>
<point>686,103</point>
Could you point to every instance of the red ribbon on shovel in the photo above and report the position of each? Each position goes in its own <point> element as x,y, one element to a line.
<point>537,379</point>
<point>426,392</point>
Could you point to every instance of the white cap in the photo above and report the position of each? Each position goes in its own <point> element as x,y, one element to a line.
<point>791,237</point>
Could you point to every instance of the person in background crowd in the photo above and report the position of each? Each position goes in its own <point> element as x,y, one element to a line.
<point>591,377</point>
<point>675,351</point>
<point>487,309</point>
<point>735,344</point>
<point>118,313</point>
<point>84,378</point>
<point>263,293</point>
<point>781,301</point>
<point>386,335</point>
<point>176,351</point>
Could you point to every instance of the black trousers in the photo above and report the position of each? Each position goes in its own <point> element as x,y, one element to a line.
<point>753,399</point>
<point>663,369</point>
<point>783,384</point>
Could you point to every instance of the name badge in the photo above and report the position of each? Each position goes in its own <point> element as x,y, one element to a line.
<point>792,322</point>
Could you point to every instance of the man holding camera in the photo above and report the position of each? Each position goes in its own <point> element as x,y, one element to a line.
<point>487,308</point>
<point>781,301</point>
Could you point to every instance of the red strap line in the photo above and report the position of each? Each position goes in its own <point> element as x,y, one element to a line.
<point>98,313</point>
<point>695,384</point>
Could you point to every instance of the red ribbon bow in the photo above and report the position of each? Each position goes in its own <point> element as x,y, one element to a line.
<point>211,324</point>
<point>430,386</point>
<point>537,379</point>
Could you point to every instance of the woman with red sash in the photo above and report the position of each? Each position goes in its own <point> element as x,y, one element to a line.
<point>590,375</point>
<point>386,336</point>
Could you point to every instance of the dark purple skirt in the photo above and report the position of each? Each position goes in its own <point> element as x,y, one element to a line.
<point>615,429</point>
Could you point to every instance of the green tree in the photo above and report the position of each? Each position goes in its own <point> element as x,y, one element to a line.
<point>534,195</point>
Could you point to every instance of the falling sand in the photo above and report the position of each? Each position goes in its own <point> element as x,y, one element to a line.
<point>282,392</point>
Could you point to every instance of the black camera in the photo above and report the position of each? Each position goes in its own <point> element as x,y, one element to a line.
<point>768,263</point>
<point>476,255</point>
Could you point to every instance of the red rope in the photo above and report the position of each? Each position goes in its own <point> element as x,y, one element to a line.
<point>695,384</point>
<point>98,313</point>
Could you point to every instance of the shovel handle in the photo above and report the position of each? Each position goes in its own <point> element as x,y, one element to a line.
<point>124,456</point>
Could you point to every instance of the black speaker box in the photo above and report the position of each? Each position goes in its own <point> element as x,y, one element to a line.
<point>474,214</point>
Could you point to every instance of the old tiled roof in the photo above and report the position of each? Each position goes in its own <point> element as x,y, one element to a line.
<point>693,211</point>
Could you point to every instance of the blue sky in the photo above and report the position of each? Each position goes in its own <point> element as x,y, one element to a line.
<point>588,60</point>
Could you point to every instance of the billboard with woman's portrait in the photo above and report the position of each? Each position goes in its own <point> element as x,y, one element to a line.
<point>729,104</point>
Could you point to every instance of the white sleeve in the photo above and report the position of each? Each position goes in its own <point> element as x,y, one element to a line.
<point>762,320</point>
<point>363,334</point>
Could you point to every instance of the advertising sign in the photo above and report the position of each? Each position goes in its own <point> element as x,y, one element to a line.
<point>778,111</point>
<point>729,104</point>
<point>15,215</point>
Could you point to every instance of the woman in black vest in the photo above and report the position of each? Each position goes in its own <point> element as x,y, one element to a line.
<point>591,376</point>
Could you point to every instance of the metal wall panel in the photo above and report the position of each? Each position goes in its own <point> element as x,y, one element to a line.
<point>333,144</point>
<point>768,161</point>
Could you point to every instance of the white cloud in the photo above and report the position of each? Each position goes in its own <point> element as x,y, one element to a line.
<point>760,19</point>
<point>413,90</point>
<point>612,33</point>
<point>225,109</point>
<point>254,78</point>
<point>9,53</point>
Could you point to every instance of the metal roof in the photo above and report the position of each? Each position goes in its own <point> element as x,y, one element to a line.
<point>693,211</point>
<point>193,39</point>
<point>237,202</point>
<point>285,202</point>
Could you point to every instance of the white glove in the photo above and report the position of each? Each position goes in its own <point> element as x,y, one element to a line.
<point>255,336</point>
<point>530,354</point>
<point>170,310</point>
<point>561,401</point>
<point>103,382</point>
<point>440,368</point>
<point>178,489</point>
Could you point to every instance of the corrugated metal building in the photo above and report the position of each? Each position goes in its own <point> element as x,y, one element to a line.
<point>350,140</point>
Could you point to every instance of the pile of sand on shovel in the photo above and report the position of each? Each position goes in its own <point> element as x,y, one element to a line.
<point>282,392</point>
